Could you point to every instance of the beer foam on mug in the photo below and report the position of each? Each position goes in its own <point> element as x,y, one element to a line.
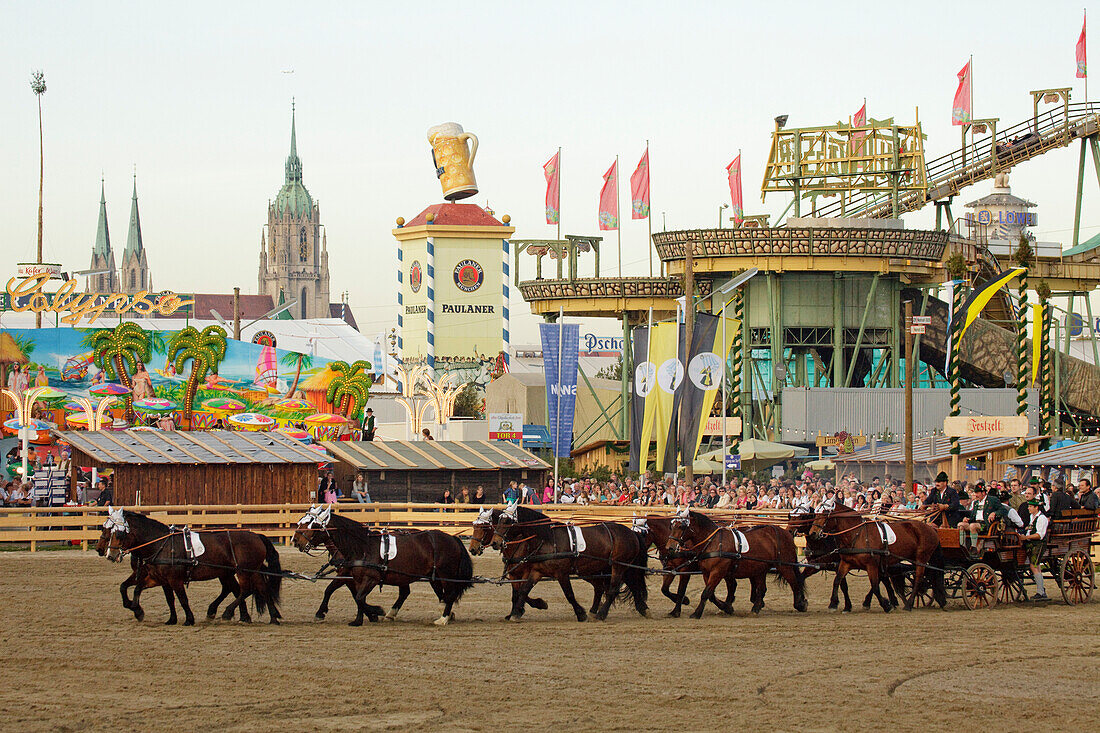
<point>447,129</point>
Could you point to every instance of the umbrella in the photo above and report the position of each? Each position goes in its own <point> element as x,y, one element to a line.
<point>296,434</point>
<point>224,405</point>
<point>294,405</point>
<point>35,424</point>
<point>51,394</point>
<point>325,425</point>
<point>111,388</point>
<point>325,418</point>
<point>760,454</point>
<point>73,406</point>
<point>252,421</point>
<point>76,419</point>
<point>154,404</point>
<point>701,465</point>
<point>821,464</point>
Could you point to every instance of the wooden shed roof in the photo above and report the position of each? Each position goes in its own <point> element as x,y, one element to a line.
<point>930,450</point>
<point>1070,456</point>
<point>433,455</point>
<point>193,447</point>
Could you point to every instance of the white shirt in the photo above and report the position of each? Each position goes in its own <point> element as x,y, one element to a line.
<point>1039,525</point>
<point>567,499</point>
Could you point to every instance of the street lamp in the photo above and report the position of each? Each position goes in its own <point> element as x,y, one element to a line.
<point>721,208</point>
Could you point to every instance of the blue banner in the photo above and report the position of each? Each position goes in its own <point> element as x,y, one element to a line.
<point>559,362</point>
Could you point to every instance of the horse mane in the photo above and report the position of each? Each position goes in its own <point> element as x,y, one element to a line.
<point>702,521</point>
<point>145,524</point>
<point>351,537</point>
<point>539,524</point>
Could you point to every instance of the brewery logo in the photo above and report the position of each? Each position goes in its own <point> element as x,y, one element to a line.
<point>416,276</point>
<point>645,376</point>
<point>705,370</point>
<point>468,276</point>
<point>670,375</point>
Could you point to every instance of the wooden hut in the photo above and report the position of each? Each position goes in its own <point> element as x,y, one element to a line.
<point>215,467</point>
<point>978,459</point>
<point>401,470</point>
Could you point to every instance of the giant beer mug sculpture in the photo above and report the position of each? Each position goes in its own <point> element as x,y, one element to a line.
<point>453,161</point>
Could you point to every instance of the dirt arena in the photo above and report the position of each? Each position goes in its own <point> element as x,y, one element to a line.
<point>74,659</point>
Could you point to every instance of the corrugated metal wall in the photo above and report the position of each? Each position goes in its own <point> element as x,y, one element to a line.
<point>806,412</point>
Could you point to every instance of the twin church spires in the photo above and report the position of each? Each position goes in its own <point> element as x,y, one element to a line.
<point>133,276</point>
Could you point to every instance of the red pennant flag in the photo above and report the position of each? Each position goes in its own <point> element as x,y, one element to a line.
<point>639,189</point>
<point>960,108</point>
<point>733,170</point>
<point>553,189</point>
<point>1082,70</point>
<point>609,198</point>
<point>859,120</point>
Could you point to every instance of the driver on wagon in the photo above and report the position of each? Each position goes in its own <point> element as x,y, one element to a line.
<point>983,510</point>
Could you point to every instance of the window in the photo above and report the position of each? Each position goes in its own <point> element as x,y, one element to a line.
<point>133,279</point>
<point>101,287</point>
<point>302,302</point>
<point>303,245</point>
<point>143,279</point>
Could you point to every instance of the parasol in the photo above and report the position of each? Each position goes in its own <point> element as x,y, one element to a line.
<point>111,388</point>
<point>325,418</point>
<point>76,419</point>
<point>251,421</point>
<point>292,404</point>
<point>296,434</point>
<point>154,404</point>
<point>51,394</point>
<point>223,405</point>
<point>13,425</point>
<point>73,406</point>
<point>325,425</point>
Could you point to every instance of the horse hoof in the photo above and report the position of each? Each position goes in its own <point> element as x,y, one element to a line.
<point>170,622</point>
<point>391,615</point>
<point>189,622</point>
<point>356,622</point>
<point>442,621</point>
<point>318,617</point>
<point>211,616</point>
<point>513,619</point>
<point>537,603</point>
<point>274,622</point>
<point>846,610</point>
<point>139,615</point>
<point>674,614</point>
<point>227,616</point>
<point>697,616</point>
<point>866,606</point>
<point>246,619</point>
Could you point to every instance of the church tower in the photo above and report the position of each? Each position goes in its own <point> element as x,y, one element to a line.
<point>294,250</point>
<point>103,259</point>
<point>134,273</point>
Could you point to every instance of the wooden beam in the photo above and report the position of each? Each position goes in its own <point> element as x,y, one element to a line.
<point>177,446</point>
<point>493,448</point>
<point>265,449</point>
<point>415,449</point>
<point>106,434</point>
<point>191,436</point>
<point>153,448</point>
<point>231,447</point>
<point>381,445</point>
<point>348,455</point>
<point>76,439</point>
<point>439,447</point>
<point>359,450</point>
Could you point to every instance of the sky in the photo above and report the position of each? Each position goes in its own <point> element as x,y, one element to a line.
<point>197,97</point>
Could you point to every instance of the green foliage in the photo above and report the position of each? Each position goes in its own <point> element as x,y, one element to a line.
<point>956,266</point>
<point>469,402</point>
<point>117,350</point>
<point>612,371</point>
<point>1024,255</point>
<point>1043,290</point>
<point>204,349</point>
<point>349,390</point>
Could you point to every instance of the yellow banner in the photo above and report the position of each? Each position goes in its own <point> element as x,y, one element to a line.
<point>663,344</point>
<point>723,349</point>
<point>1036,340</point>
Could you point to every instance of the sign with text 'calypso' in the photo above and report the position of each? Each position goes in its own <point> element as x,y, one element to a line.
<point>27,295</point>
<point>982,426</point>
<point>506,426</point>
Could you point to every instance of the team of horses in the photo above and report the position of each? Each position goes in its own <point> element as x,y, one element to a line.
<point>612,557</point>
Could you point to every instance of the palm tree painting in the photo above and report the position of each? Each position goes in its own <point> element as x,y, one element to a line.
<point>349,390</point>
<point>117,350</point>
<point>204,349</point>
<point>298,362</point>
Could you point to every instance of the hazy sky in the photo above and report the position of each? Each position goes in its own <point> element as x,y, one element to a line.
<point>197,96</point>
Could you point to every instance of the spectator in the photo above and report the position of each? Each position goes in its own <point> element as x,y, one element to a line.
<point>106,494</point>
<point>548,493</point>
<point>511,494</point>
<point>359,490</point>
<point>479,496</point>
<point>464,495</point>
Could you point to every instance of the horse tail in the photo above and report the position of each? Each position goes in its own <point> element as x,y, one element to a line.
<point>464,578</point>
<point>634,576</point>
<point>272,585</point>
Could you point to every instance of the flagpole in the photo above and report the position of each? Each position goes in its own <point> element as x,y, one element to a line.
<point>557,412</point>
<point>643,450</point>
<point>649,214</point>
<point>618,218</point>
<point>725,364</point>
<point>558,235</point>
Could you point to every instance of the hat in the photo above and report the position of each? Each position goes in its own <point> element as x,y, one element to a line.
<point>1033,502</point>
<point>941,476</point>
<point>980,487</point>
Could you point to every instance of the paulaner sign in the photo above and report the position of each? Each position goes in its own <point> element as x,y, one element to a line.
<point>27,295</point>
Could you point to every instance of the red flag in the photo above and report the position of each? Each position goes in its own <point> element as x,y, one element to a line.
<point>859,120</point>
<point>960,108</point>
<point>1082,70</point>
<point>734,172</point>
<point>639,189</point>
<point>553,189</point>
<point>609,198</point>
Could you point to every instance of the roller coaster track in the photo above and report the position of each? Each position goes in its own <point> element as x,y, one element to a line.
<point>979,161</point>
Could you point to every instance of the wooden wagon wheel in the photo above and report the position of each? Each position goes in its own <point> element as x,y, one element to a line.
<point>954,582</point>
<point>1077,577</point>
<point>980,588</point>
<point>924,593</point>
<point>1011,590</point>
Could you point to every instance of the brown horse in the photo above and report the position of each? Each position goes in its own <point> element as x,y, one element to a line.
<point>721,553</point>
<point>371,559</point>
<point>533,547</point>
<point>245,562</point>
<point>230,586</point>
<point>861,546</point>
<point>655,531</point>
<point>482,537</point>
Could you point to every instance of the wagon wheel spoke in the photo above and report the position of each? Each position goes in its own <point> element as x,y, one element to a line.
<point>1077,577</point>
<point>980,587</point>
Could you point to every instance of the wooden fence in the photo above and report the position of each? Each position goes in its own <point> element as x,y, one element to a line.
<point>278,521</point>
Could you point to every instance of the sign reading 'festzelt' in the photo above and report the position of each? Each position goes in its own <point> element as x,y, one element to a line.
<point>984,426</point>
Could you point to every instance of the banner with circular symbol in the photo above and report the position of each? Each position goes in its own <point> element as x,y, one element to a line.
<point>644,378</point>
<point>416,276</point>
<point>705,370</point>
<point>468,276</point>
<point>670,375</point>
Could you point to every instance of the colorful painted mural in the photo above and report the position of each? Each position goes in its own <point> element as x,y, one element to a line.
<point>185,369</point>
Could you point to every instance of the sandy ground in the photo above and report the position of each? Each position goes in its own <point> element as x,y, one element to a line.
<point>74,659</point>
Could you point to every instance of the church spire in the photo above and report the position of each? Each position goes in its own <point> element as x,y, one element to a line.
<point>133,237</point>
<point>293,162</point>
<point>102,235</point>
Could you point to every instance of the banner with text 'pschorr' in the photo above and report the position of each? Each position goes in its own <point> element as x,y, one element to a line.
<point>559,363</point>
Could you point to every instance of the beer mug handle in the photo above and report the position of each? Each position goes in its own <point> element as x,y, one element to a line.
<point>473,148</point>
